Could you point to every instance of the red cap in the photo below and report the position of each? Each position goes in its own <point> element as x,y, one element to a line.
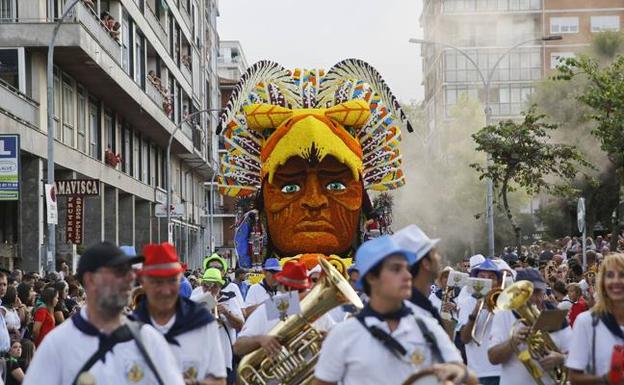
<point>160,260</point>
<point>294,274</point>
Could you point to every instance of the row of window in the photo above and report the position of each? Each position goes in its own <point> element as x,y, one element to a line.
<point>520,65</point>
<point>570,24</point>
<point>491,5</point>
<point>505,100</point>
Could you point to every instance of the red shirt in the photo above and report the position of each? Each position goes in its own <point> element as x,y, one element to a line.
<point>577,308</point>
<point>47,323</point>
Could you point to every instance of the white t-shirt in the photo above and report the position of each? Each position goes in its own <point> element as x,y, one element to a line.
<point>476,355</point>
<point>256,295</point>
<point>513,371</point>
<point>350,355</point>
<point>581,347</point>
<point>257,324</point>
<point>199,353</point>
<point>66,349</point>
<point>233,288</point>
<point>227,333</point>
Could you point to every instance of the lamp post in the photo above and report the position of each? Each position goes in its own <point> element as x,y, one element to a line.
<point>51,257</point>
<point>487,81</point>
<point>178,127</point>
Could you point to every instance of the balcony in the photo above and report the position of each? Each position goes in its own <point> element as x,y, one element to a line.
<point>158,28</point>
<point>186,72</point>
<point>19,105</point>
<point>87,17</point>
<point>154,94</point>
<point>187,130</point>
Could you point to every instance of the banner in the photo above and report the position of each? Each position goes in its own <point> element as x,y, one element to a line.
<point>51,208</point>
<point>73,221</point>
<point>9,167</point>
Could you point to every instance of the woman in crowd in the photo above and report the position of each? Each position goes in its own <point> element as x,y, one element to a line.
<point>44,315</point>
<point>61,310</point>
<point>14,364</point>
<point>28,351</point>
<point>598,333</point>
<point>13,312</point>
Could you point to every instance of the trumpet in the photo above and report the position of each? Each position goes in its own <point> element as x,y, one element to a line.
<point>539,343</point>
<point>489,302</point>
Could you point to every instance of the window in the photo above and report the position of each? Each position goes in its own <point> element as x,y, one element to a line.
<point>139,62</point>
<point>605,23</point>
<point>564,25</point>
<point>68,111</point>
<point>136,156</point>
<point>125,42</point>
<point>9,66</point>
<point>126,149</point>
<point>555,56</point>
<point>144,162</point>
<point>58,102</point>
<point>7,11</point>
<point>94,129</point>
<point>82,120</point>
<point>109,131</point>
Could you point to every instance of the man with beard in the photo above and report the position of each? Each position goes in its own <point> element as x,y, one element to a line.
<point>99,345</point>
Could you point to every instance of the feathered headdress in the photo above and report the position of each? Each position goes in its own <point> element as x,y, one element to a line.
<point>274,114</point>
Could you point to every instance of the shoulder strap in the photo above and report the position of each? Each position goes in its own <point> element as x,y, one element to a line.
<point>135,330</point>
<point>592,367</point>
<point>386,339</point>
<point>430,338</point>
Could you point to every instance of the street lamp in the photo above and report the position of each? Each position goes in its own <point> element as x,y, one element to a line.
<point>488,115</point>
<point>51,257</point>
<point>178,127</point>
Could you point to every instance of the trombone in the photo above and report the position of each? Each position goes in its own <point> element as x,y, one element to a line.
<point>490,303</point>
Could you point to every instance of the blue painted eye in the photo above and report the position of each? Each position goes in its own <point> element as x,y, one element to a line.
<point>291,188</point>
<point>336,186</point>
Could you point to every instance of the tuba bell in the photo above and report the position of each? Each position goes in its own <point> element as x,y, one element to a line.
<point>539,343</point>
<point>490,304</point>
<point>301,342</point>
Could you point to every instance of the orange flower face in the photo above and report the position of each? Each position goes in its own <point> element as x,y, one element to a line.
<point>312,207</point>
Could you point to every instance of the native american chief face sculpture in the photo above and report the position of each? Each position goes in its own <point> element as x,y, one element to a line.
<point>309,144</point>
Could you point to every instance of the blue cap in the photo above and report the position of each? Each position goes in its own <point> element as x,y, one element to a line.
<point>487,265</point>
<point>413,239</point>
<point>373,252</point>
<point>532,276</point>
<point>272,264</point>
<point>130,251</point>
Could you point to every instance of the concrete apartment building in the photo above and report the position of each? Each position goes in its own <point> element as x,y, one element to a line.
<point>119,93</point>
<point>485,29</point>
<point>231,65</point>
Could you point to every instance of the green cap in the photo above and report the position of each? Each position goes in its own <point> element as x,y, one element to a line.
<point>213,275</point>
<point>215,257</point>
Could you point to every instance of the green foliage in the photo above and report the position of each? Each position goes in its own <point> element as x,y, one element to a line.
<point>523,157</point>
<point>607,44</point>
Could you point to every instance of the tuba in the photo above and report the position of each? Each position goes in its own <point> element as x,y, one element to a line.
<point>490,304</point>
<point>301,342</point>
<point>539,343</point>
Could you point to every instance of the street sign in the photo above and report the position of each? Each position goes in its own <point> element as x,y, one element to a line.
<point>580,214</point>
<point>177,210</point>
<point>74,220</point>
<point>160,195</point>
<point>51,209</point>
<point>9,167</point>
<point>78,187</point>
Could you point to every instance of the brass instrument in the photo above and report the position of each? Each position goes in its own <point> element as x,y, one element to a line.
<point>539,343</point>
<point>448,323</point>
<point>490,304</point>
<point>301,342</point>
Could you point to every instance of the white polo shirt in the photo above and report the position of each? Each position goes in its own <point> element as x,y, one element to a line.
<point>477,356</point>
<point>513,371</point>
<point>233,288</point>
<point>256,295</point>
<point>350,355</point>
<point>581,347</point>
<point>257,324</point>
<point>66,349</point>
<point>199,352</point>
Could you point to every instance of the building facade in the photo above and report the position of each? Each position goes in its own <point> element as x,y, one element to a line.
<point>486,30</point>
<point>126,74</point>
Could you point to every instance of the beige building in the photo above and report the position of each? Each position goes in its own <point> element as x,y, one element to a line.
<point>486,29</point>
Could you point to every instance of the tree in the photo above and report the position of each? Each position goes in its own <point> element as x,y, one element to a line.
<point>605,96</point>
<point>522,157</point>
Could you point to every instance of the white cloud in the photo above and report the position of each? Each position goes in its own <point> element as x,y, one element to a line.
<point>320,33</point>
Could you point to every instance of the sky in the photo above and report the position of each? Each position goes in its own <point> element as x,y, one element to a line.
<point>320,33</point>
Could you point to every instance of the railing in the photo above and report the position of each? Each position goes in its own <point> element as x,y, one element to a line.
<point>154,94</point>
<point>19,105</point>
<point>154,22</point>
<point>187,130</point>
<point>197,141</point>
<point>87,17</point>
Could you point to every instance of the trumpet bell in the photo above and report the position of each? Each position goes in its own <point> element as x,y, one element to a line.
<point>515,296</point>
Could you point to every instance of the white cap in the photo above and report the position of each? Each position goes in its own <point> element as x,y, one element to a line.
<point>414,240</point>
<point>476,260</point>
